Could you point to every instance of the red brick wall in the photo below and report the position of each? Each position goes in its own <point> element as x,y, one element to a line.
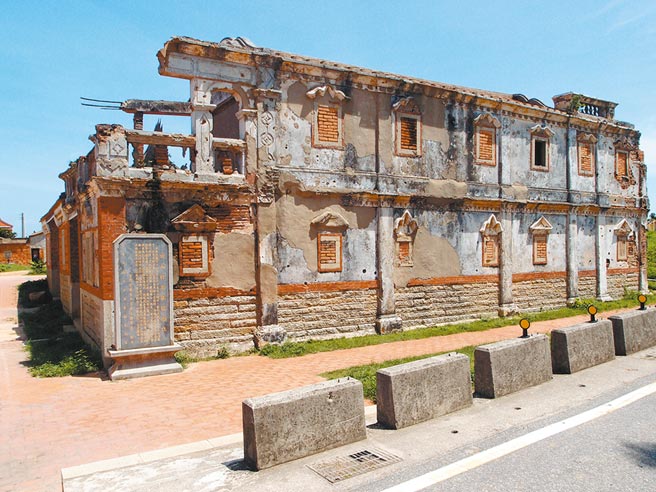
<point>111,224</point>
<point>20,253</point>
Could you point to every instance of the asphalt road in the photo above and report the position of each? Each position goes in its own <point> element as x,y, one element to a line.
<point>616,452</point>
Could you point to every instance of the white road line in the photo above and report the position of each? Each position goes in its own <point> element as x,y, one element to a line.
<point>466,464</point>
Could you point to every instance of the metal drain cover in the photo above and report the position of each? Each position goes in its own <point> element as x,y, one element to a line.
<point>342,467</point>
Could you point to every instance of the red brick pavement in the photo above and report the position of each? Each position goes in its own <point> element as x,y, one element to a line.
<point>48,424</point>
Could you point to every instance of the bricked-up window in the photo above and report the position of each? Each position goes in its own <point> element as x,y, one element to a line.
<point>621,248</point>
<point>408,133</point>
<point>623,232</point>
<point>540,249</point>
<point>586,144</point>
<point>621,164</point>
<point>407,128</point>
<point>540,148</point>
<point>193,252</point>
<point>329,252</point>
<point>404,252</point>
<point>491,251</point>
<point>90,270</point>
<point>540,230</point>
<point>327,122</point>
<point>485,144</point>
<point>586,159</point>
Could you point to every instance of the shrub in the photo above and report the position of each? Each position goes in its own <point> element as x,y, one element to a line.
<point>37,267</point>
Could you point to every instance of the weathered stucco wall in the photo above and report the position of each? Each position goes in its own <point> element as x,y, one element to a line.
<point>523,243</point>
<point>297,242</point>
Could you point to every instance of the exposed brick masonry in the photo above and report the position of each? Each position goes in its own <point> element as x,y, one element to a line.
<point>328,122</point>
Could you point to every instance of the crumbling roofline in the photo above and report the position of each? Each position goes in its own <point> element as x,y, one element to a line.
<point>164,108</point>
<point>241,54</point>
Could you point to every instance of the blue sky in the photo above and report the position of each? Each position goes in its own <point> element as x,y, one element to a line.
<point>51,53</point>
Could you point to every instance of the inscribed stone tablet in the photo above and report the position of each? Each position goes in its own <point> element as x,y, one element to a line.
<point>143,291</point>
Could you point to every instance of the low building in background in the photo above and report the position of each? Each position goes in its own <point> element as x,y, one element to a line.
<point>326,200</point>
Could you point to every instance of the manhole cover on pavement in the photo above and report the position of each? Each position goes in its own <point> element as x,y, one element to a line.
<point>353,464</point>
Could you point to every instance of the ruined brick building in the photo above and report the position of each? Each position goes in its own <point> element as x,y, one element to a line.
<point>327,200</point>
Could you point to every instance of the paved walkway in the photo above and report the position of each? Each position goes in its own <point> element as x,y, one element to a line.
<point>49,424</point>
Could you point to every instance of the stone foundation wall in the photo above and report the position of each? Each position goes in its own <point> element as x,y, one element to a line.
<point>202,326</point>
<point>538,294</point>
<point>327,314</point>
<point>618,282</point>
<point>429,305</point>
<point>587,287</point>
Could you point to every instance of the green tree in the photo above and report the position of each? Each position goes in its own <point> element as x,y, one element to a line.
<point>7,233</point>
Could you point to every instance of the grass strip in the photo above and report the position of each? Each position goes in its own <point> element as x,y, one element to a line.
<point>51,351</point>
<point>12,267</point>
<point>296,349</point>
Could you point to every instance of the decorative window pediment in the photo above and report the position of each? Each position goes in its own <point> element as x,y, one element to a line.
<point>322,90</point>
<point>405,229</point>
<point>486,119</point>
<point>623,228</point>
<point>406,105</point>
<point>541,131</point>
<point>491,227</point>
<point>194,219</point>
<point>624,144</point>
<point>330,220</point>
<point>541,226</point>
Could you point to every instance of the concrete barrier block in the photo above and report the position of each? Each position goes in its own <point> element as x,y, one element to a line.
<point>634,331</point>
<point>581,346</point>
<point>421,390</point>
<point>285,426</point>
<point>510,365</point>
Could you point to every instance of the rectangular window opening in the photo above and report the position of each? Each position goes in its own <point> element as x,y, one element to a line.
<point>540,153</point>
